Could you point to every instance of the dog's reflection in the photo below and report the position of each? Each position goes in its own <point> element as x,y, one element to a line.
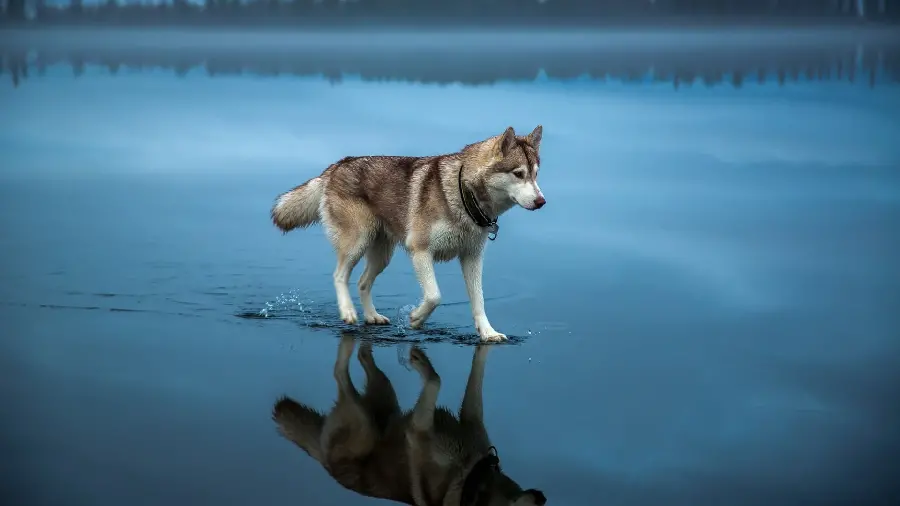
<point>424,457</point>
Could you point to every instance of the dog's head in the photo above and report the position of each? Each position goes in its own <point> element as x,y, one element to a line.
<point>487,485</point>
<point>511,168</point>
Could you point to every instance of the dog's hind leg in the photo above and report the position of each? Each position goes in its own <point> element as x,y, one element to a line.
<point>350,251</point>
<point>379,398</point>
<point>423,412</point>
<point>351,228</point>
<point>378,256</point>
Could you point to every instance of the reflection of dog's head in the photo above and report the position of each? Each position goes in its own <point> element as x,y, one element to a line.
<point>531,497</point>
<point>486,485</point>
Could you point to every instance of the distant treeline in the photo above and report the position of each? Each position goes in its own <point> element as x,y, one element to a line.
<point>461,12</point>
<point>680,65</point>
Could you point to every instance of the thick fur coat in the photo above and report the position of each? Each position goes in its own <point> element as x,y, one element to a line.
<point>437,207</point>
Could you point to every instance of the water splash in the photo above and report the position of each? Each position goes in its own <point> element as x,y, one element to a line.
<point>403,354</point>
<point>293,304</point>
<point>402,328</point>
<point>401,321</point>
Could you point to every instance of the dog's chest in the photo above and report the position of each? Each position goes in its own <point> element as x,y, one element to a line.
<point>447,241</point>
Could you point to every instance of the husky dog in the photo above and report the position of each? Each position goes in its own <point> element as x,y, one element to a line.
<point>424,457</point>
<point>439,207</point>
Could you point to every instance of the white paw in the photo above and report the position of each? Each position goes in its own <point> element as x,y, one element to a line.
<point>418,317</point>
<point>377,319</point>
<point>492,336</point>
<point>348,315</point>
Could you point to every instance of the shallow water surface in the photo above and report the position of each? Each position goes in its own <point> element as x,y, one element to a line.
<point>703,313</point>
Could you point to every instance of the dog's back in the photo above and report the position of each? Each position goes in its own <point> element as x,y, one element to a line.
<point>358,187</point>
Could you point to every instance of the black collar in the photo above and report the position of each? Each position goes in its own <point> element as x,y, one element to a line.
<point>470,204</point>
<point>479,478</point>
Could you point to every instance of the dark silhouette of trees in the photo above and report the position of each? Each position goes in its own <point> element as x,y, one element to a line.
<point>450,12</point>
<point>683,65</point>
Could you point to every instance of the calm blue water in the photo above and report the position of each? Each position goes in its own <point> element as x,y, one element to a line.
<point>705,312</point>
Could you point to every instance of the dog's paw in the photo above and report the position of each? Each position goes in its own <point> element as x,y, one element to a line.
<point>418,317</point>
<point>348,315</point>
<point>364,354</point>
<point>492,336</point>
<point>345,349</point>
<point>416,323</point>
<point>377,319</point>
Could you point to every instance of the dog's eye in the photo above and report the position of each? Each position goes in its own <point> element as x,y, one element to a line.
<point>519,174</point>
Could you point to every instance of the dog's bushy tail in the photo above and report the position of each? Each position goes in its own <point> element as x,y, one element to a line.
<point>300,424</point>
<point>299,207</point>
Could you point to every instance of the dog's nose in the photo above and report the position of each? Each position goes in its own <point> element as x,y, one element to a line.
<point>539,202</point>
<point>539,498</point>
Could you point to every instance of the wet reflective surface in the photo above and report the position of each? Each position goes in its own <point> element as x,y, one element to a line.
<point>704,312</point>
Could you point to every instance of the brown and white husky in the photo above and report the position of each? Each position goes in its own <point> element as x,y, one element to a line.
<point>438,207</point>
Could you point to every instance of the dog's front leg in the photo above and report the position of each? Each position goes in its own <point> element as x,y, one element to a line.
<point>471,264</point>
<point>472,408</point>
<point>423,263</point>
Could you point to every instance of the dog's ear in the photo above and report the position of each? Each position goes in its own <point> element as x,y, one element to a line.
<point>505,143</point>
<point>534,138</point>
